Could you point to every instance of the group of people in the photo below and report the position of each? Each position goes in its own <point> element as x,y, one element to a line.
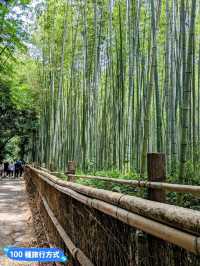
<point>11,169</point>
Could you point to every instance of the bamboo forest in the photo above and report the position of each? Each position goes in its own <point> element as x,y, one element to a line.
<point>102,82</point>
<point>100,132</point>
<point>118,79</point>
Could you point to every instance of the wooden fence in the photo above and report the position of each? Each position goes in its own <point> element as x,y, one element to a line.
<point>100,227</point>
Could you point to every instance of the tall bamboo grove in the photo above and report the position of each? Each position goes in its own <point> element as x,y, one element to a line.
<point>119,79</point>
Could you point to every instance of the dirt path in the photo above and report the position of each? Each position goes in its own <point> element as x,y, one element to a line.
<point>16,226</point>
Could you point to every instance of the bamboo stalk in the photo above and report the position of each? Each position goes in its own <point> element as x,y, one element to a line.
<point>185,240</point>
<point>185,219</point>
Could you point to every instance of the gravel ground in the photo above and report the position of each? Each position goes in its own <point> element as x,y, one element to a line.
<point>16,224</point>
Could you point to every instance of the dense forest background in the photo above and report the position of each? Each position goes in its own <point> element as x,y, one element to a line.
<point>18,116</point>
<point>103,83</point>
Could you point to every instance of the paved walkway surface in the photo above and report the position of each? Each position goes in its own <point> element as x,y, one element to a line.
<point>16,226</point>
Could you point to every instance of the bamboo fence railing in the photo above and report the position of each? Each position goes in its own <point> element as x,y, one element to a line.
<point>151,217</point>
<point>173,226</point>
<point>195,190</point>
<point>145,184</point>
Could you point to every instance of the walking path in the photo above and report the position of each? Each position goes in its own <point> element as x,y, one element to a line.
<point>16,226</point>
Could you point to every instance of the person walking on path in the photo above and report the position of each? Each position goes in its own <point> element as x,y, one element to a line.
<point>11,169</point>
<point>1,169</point>
<point>21,169</point>
<point>18,168</point>
<point>6,170</point>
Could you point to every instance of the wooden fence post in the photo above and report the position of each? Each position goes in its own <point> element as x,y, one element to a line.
<point>71,170</point>
<point>52,167</point>
<point>156,173</point>
<point>146,244</point>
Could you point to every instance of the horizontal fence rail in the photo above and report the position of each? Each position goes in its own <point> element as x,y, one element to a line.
<point>195,190</point>
<point>179,217</point>
<point>176,225</point>
<point>145,184</point>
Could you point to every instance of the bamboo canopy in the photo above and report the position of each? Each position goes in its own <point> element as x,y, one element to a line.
<point>185,240</point>
<point>179,217</point>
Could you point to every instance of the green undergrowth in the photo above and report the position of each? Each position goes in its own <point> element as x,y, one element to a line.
<point>112,186</point>
<point>106,185</point>
<point>187,200</point>
<point>61,176</point>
